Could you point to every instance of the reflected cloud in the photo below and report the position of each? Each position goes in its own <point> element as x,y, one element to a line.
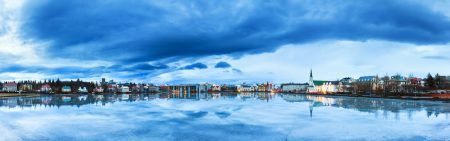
<point>220,116</point>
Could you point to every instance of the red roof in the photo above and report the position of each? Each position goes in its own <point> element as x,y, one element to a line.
<point>46,86</point>
<point>10,84</point>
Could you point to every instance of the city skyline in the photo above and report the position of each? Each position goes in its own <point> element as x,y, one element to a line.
<point>223,42</point>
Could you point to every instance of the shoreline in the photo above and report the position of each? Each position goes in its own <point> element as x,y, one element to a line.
<point>5,95</point>
<point>428,98</point>
<point>445,97</point>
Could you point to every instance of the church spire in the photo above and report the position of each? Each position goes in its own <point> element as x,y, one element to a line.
<point>311,78</point>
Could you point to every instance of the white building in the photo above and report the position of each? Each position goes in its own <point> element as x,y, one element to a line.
<point>294,87</point>
<point>124,89</point>
<point>246,88</point>
<point>326,87</point>
<point>46,88</point>
<point>322,87</point>
<point>215,87</point>
<point>82,90</point>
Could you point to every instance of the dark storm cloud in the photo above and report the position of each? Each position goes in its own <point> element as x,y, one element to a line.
<point>222,65</point>
<point>142,30</point>
<point>195,66</point>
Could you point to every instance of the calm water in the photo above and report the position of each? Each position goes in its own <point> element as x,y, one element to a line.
<point>226,116</point>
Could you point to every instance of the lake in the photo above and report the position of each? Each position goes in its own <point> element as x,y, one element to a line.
<point>221,116</point>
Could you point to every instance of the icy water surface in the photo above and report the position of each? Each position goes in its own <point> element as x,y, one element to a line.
<point>226,116</point>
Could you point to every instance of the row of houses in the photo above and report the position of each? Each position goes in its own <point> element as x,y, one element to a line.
<point>61,87</point>
<point>207,87</point>
<point>367,84</point>
<point>364,84</point>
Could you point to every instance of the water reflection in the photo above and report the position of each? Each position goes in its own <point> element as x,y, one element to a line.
<point>220,116</point>
<point>371,105</point>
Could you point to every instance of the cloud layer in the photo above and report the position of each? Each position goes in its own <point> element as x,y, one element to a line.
<point>147,38</point>
<point>154,30</point>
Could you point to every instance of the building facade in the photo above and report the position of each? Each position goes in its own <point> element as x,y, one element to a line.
<point>46,88</point>
<point>295,87</point>
<point>10,87</point>
<point>66,89</point>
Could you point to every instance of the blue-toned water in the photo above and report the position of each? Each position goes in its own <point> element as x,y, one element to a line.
<point>226,116</point>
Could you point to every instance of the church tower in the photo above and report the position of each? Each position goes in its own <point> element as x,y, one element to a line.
<point>311,80</point>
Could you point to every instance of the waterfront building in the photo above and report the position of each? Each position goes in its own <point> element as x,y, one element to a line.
<point>398,79</point>
<point>416,81</point>
<point>215,88</point>
<point>25,87</point>
<point>206,87</point>
<point>396,83</point>
<point>103,82</point>
<point>326,87</point>
<point>152,88</point>
<point>136,89</point>
<point>370,83</point>
<point>10,87</point>
<point>66,89</point>
<point>321,86</point>
<point>46,88</point>
<point>124,89</point>
<point>245,88</point>
<point>229,88</point>
<point>295,87</point>
<point>185,88</point>
<point>345,84</point>
<point>265,87</point>
<point>111,86</point>
<point>82,90</point>
<point>98,89</point>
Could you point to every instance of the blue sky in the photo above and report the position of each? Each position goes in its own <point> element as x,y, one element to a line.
<point>222,41</point>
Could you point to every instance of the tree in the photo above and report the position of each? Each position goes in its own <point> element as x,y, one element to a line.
<point>430,82</point>
<point>439,81</point>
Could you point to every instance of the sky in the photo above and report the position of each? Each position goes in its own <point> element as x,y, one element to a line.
<point>233,41</point>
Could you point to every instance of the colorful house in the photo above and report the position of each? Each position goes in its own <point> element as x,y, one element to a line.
<point>46,88</point>
<point>98,89</point>
<point>26,88</point>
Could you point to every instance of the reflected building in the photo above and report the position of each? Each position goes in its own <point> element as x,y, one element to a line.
<point>370,105</point>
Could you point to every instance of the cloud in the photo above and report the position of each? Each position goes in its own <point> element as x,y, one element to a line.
<point>154,30</point>
<point>145,66</point>
<point>436,57</point>
<point>137,71</point>
<point>222,65</point>
<point>148,39</point>
<point>195,66</point>
<point>237,70</point>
